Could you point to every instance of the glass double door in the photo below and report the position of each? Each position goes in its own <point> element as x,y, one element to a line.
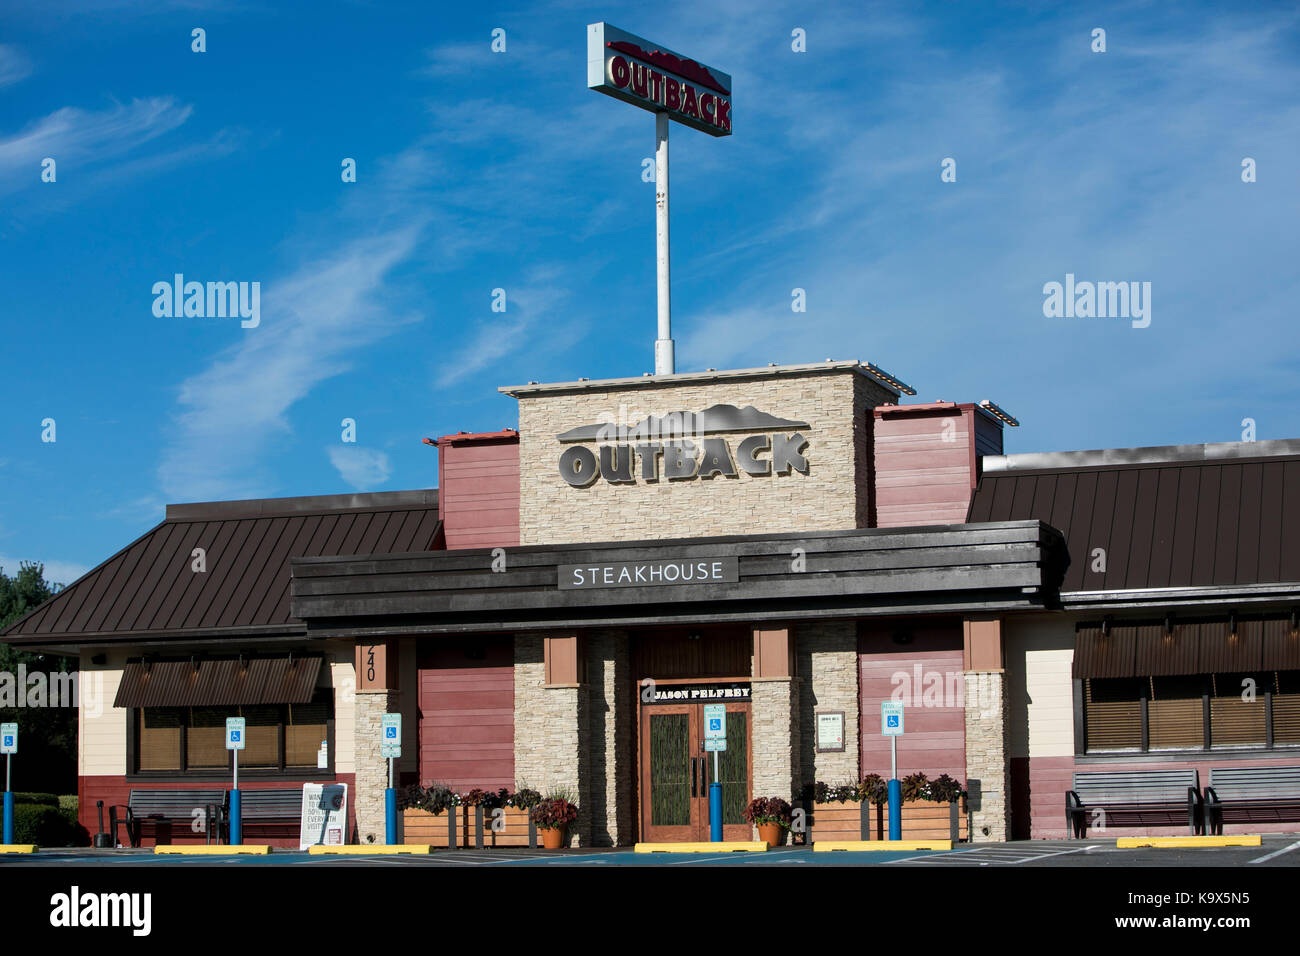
<point>676,772</point>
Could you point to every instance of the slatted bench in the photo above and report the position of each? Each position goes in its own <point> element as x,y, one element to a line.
<point>1252,795</point>
<point>1149,796</point>
<point>263,807</point>
<point>166,806</point>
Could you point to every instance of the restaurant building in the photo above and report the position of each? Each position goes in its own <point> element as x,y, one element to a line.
<point>795,542</point>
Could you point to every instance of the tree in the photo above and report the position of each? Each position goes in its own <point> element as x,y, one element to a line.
<point>47,736</point>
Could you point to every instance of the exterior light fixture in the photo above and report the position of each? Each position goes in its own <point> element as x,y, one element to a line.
<point>999,413</point>
<point>891,380</point>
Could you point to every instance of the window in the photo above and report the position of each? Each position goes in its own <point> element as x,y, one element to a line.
<point>1239,710</point>
<point>1176,713</point>
<point>278,737</point>
<point>1114,708</point>
<point>1254,710</point>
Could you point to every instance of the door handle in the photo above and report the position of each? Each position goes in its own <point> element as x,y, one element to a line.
<point>694,785</point>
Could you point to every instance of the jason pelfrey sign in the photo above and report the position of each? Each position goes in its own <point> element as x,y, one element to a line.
<point>684,445</point>
<point>648,75</point>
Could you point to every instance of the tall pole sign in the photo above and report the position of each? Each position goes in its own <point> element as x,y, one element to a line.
<point>673,87</point>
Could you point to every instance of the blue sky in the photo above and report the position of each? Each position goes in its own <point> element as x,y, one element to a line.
<point>479,170</point>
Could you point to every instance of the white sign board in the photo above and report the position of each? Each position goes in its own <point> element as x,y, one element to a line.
<point>891,718</point>
<point>235,736</point>
<point>715,728</point>
<point>715,722</point>
<point>390,735</point>
<point>830,731</point>
<point>324,814</point>
<point>653,77</point>
<point>8,738</point>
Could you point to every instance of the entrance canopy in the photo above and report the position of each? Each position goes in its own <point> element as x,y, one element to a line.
<point>992,567</point>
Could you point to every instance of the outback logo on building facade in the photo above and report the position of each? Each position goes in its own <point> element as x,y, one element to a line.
<point>677,439</point>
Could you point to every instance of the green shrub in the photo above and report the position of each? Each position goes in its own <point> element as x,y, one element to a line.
<point>41,799</point>
<point>40,824</point>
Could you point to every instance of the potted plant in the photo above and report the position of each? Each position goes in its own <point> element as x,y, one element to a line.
<point>552,816</point>
<point>772,817</point>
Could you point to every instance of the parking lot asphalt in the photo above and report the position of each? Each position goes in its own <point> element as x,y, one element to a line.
<point>1276,850</point>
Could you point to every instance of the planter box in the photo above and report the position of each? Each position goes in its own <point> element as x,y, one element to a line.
<point>835,821</point>
<point>470,828</point>
<point>922,820</point>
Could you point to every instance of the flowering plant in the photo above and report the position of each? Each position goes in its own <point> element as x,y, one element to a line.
<point>554,813</point>
<point>766,810</point>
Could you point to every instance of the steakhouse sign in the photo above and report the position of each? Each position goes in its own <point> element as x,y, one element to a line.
<point>647,75</point>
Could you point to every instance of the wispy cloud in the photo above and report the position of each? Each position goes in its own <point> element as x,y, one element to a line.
<point>14,65</point>
<point>363,468</point>
<point>73,137</point>
<point>313,322</point>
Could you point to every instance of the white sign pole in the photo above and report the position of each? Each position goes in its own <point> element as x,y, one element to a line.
<point>664,361</point>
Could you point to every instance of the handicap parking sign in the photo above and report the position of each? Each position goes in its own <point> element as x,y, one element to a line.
<point>390,737</point>
<point>234,733</point>
<point>891,718</point>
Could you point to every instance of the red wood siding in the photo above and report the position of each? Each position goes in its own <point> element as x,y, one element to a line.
<point>934,741</point>
<point>467,713</point>
<point>115,790</point>
<point>478,491</point>
<point>924,465</point>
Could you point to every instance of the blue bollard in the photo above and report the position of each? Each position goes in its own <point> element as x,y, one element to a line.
<point>9,817</point>
<point>895,810</point>
<point>715,812</point>
<point>390,816</point>
<point>236,826</point>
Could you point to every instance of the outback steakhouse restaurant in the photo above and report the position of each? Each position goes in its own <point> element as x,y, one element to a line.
<point>794,542</point>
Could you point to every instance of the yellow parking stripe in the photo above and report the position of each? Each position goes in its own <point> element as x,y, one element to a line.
<point>1243,839</point>
<point>733,846</point>
<point>259,849</point>
<point>17,847</point>
<point>363,849</point>
<point>879,846</point>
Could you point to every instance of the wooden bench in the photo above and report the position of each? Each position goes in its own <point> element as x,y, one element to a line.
<point>1252,795</point>
<point>262,807</point>
<point>166,806</point>
<point>1149,796</point>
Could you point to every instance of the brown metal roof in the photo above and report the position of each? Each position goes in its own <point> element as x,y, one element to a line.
<point>261,680</point>
<point>1183,523</point>
<point>149,587</point>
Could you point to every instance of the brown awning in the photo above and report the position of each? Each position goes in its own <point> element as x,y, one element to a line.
<point>1104,655</point>
<point>203,683</point>
<point>1161,654</point>
<point>1281,646</point>
<point>1193,647</point>
<point>1222,652</point>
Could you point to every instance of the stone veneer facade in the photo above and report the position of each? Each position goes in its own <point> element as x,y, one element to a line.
<point>833,496</point>
<point>987,759</point>
<point>371,766</point>
<point>826,655</point>
<point>579,739</point>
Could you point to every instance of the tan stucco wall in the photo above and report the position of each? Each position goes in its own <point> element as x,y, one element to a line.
<point>831,496</point>
<point>101,727</point>
<point>1039,655</point>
